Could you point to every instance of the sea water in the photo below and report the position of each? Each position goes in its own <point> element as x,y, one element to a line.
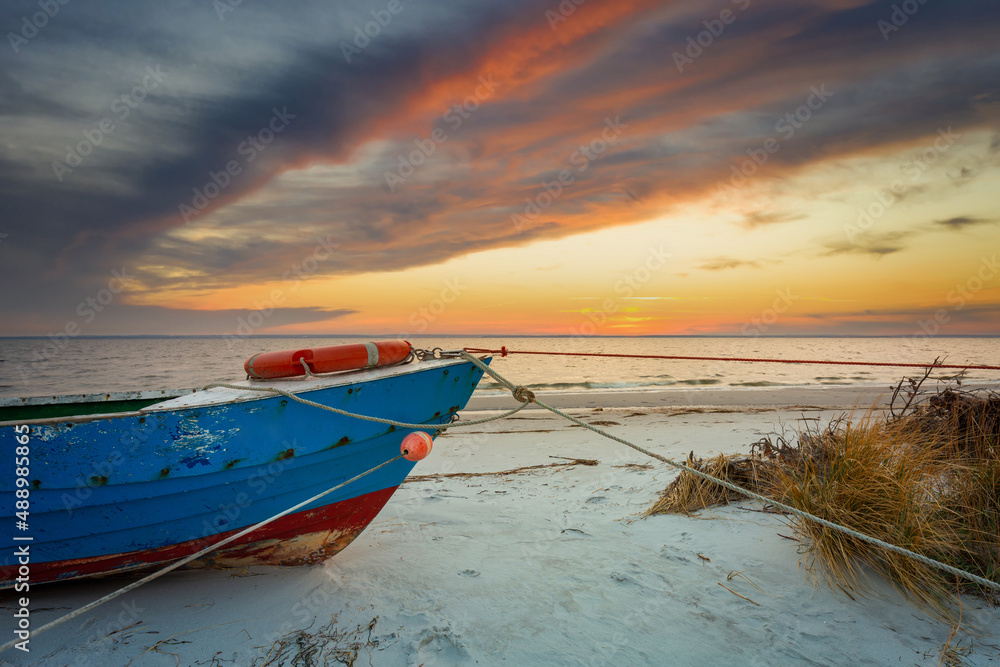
<point>41,366</point>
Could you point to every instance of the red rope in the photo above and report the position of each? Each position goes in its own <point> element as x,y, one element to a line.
<point>503,351</point>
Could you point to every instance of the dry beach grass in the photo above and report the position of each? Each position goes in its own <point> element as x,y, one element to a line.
<point>925,475</point>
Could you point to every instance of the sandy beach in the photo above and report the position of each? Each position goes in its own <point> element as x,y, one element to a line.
<point>554,565</point>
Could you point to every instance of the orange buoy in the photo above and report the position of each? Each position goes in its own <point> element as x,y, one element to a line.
<point>288,363</point>
<point>416,446</point>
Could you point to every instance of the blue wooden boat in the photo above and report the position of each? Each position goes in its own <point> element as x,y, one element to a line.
<point>125,481</point>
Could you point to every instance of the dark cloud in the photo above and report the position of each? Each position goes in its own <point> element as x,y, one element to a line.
<point>125,319</point>
<point>874,245</point>
<point>105,212</point>
<point>760,218</point>
<point>951,319</point>
<point>723,263</point>
<point>905,192</point>
<point>961,222</point>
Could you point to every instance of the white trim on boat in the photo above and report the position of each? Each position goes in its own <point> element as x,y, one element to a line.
<point>219,395</point>
<point>68,399</point>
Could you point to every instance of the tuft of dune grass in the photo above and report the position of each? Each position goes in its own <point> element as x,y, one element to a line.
<point>970,498</point>
<point>882,480</point>
<point>689,493</point>
<point>925,477</point>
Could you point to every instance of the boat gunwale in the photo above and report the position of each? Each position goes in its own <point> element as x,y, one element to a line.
<point>316,383</point>
<point>96,397</point>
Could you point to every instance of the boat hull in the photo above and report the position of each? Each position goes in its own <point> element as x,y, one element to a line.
<point>118,492</point>
<point>302,538</point>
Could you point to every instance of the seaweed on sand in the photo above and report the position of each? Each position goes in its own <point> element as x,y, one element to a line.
<point>324,646</point>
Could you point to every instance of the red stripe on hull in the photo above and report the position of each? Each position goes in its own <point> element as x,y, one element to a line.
<point>297,539</point>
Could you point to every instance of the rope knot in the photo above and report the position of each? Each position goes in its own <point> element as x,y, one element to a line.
<point>523,394</point>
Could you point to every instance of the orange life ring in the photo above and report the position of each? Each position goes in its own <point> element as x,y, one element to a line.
<point>356,356</point>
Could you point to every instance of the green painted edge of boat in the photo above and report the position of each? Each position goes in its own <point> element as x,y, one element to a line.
<point>16,413</point>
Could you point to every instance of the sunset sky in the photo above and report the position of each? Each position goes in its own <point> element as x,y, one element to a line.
<point>575,167</point>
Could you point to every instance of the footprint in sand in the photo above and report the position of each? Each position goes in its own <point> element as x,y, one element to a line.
<point>674,554</point>
<point>438,646</point>
<point>622,578</point>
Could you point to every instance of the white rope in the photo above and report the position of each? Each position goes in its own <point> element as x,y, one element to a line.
<point>380,420</point>
<point>184,561</point>
<point>750,494</point>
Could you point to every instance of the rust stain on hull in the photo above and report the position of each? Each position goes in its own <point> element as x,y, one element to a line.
<point>300,550</point>
<point>303,538</point>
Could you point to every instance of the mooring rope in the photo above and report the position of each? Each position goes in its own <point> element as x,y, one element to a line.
<point>525,396</point>
<point>524,392</point>
<point>503,351</point>
<point>187,559</point>
<point>368,418</point>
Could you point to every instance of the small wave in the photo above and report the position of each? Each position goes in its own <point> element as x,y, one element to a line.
<point>564,386</point>
<point>587,385</point>
<point>542,385</point>
<point>760,383</point>
<point>590,385</point>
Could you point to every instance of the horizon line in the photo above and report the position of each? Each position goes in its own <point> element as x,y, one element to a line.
<point>479,335</point>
